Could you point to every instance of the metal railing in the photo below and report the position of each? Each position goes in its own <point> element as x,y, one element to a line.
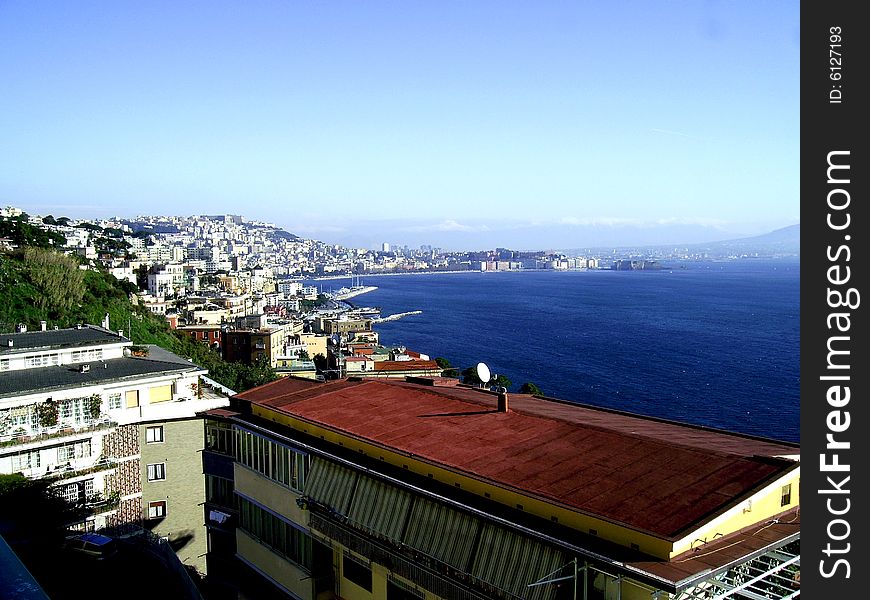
<point>429,578</point>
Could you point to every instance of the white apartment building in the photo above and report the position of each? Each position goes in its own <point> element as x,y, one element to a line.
<point>74,405</point>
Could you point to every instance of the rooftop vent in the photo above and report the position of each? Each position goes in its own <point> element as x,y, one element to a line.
<point>21,328</point>
<point>43,325</point>
<point>502,400</point>
<point>84,368</point>
<point>10,343</point>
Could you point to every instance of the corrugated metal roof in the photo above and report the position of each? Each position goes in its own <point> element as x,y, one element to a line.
<point>648,474</point>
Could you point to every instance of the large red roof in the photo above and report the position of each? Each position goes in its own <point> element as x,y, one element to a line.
<point>652,475</point>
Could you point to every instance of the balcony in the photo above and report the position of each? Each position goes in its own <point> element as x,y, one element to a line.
<point>38,437</point>
<point>425,571</point>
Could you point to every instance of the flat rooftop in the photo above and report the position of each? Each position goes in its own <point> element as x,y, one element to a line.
<point>56,339</point>
<point>45,379</point>
<point>652,475</point>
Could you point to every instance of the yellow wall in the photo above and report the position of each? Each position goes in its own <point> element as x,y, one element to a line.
<point>351,591</point>
<point>622,535</point>
<point>760,508</point>
<point>277,497</point>
<point>284,572</point>
<point>132,397</point>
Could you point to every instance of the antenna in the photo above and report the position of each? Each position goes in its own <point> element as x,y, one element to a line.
<point>483,373</point>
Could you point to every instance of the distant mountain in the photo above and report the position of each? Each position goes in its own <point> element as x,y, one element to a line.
<point>780,242</point>
<point>783,242</point>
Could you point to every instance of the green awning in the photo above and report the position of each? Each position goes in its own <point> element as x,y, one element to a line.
<point>330,484</point>
<point>379,508</point>
<point>442,532</point>
<point>511,562</point>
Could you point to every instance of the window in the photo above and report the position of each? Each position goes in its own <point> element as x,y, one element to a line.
<point>132,398</point>
<point>786,495</point>
<point>157,510</point>
<point>154,434</point>
<point>114,400</point>
<point>219,437</point>
<point>71,493</point>
<point>272,459</point>
<point>4,364</point>
<point>65,409</point>
<point>41,360</point>
<point>78,356</point>
<point>220,491</point>
<point>76,450</point>
<point>356,571</point>
<point>276,533</point>
<point>65,453</point>
<point>25,460</point>
<point>157,472</point>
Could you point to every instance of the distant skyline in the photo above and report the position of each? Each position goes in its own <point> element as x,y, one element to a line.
<point>460,125</point>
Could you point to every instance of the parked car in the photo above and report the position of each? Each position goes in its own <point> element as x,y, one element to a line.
<point>94,545</point>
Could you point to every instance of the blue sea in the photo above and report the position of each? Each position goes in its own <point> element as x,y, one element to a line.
<point>709,343</point>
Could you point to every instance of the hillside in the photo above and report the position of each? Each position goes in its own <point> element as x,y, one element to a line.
<point>41,284</point>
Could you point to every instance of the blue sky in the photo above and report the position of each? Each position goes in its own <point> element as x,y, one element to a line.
<point>410,122</point>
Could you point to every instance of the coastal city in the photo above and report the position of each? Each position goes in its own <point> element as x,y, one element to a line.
<point>418,301</point>
<point>230,424</point>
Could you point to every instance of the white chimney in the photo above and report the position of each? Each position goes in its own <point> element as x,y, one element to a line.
<point>106,321</point>
<point>43,325</point>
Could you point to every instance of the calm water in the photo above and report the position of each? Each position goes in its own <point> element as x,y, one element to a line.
<point>714,344</point>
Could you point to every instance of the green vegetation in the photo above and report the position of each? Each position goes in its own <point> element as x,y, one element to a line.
<point>469,376</point>
<point>31,514</point>
<point>531,388</point>
<point>38,284</point>
<point>321,301</point>
<point>22,233</point>
<point>448,370</point>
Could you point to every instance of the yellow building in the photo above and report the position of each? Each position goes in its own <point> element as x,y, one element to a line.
<point>380,489</point>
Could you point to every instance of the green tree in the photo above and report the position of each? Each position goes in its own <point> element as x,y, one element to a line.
<point>501,381</point>
<point>22,233</point>
<point>57,276</point>
<point>469,376</point>
<point>530,388</point>
<point>47,413</point>
<point>31,514</point>
<point>447,369</point>
<point>320,362</point>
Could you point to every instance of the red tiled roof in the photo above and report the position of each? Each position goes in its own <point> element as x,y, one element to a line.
<point>648,474</point>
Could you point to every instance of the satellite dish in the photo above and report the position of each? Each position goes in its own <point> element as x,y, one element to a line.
<point>483,372</point>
